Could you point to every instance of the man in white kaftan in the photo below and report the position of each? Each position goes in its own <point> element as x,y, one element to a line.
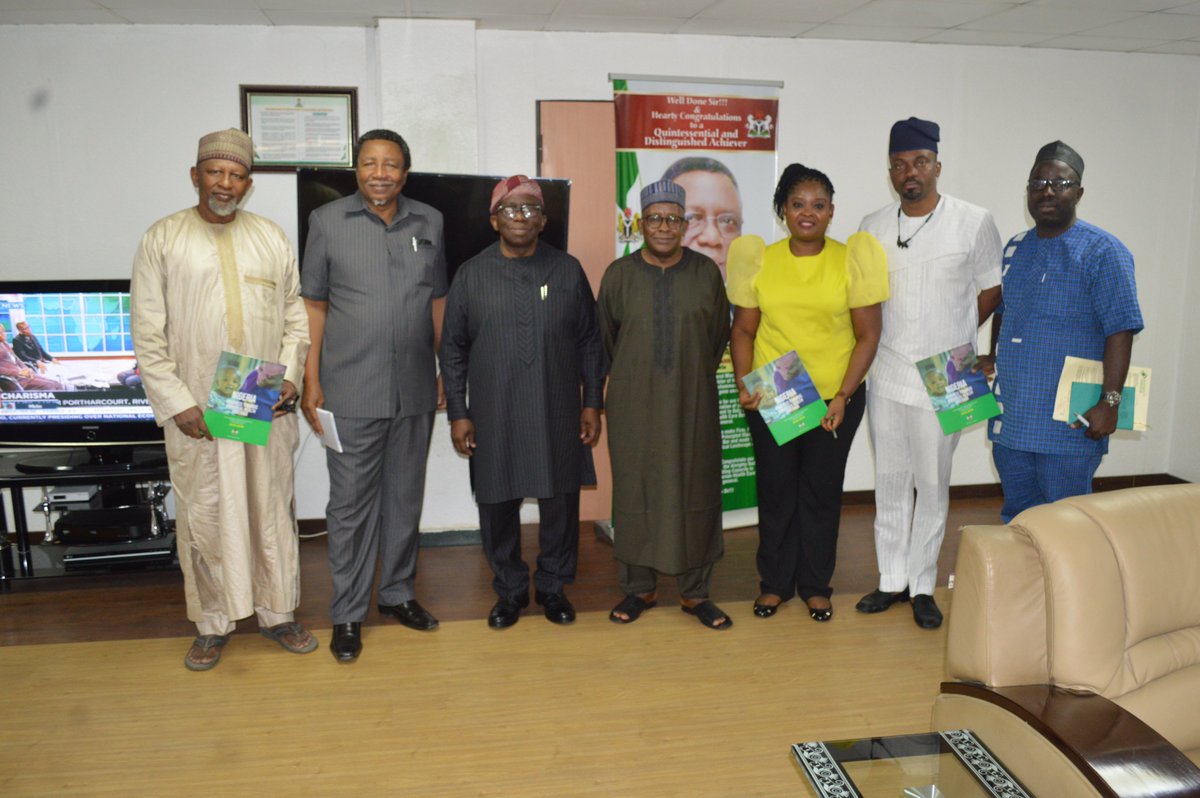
<point>207,279</point>
<point>944,279</point>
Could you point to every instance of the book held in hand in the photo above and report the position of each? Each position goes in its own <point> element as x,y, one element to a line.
<point>960,395</point>
<point>1079,389</point>
<point>789,401</point>
<point>243,395</point>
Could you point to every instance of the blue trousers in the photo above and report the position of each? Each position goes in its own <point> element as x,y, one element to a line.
<point>1032,478</point>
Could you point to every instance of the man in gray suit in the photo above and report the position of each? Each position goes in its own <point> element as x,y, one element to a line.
<point>374,282</point>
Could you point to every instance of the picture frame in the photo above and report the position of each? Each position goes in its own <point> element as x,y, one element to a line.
<point>300,126</point>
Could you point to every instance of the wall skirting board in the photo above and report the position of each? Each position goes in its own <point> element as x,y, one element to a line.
<point>470,537</point>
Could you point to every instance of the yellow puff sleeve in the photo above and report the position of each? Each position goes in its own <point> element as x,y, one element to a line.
<point>743,264</point>
<point>866,267</point>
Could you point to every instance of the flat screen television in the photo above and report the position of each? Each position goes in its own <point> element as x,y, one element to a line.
<point>75,382</point>
<point>464,201</point>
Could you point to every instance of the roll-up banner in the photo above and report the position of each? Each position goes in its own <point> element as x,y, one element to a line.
<point>717,140</point>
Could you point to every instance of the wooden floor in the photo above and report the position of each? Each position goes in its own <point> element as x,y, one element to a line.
<point>94,699</point>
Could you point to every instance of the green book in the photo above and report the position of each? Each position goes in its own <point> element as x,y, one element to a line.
<point>242,398</point>
<point>789,401</point>
<point>960,395</point>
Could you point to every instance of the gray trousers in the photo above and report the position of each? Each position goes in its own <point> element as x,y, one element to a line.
<point>376,488</point>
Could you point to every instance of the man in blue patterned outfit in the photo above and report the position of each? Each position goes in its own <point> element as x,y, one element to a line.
<point>1068,290</point>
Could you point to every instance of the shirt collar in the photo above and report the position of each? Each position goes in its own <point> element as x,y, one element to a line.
<point>403,207</point>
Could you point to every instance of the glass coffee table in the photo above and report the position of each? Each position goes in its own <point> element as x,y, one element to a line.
<point>949,764</point>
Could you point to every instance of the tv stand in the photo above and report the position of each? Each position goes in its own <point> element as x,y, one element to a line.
<point>91,460</point>
<point>146,464</point>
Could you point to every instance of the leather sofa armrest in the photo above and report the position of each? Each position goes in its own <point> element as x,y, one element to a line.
<point>1113,749</point>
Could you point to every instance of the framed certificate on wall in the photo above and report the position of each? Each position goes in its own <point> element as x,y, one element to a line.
<point>295,126</point>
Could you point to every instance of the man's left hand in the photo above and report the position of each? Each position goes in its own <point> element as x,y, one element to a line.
<point>1102,421</point>
<point>589,426</point>
<point>441,394</point>
<point>287,400</point>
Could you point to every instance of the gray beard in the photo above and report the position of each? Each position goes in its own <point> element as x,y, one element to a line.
<point>222,209</point>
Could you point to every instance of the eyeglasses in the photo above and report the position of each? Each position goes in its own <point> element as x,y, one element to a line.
<point>657,220</point>
<point>515,212</point>
<point>1057,186</point>
<point>726,222</point>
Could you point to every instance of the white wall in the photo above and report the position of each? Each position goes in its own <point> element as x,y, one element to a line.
<point>100,124</point>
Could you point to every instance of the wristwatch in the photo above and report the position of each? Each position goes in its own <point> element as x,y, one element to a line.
<point>1112,398</point>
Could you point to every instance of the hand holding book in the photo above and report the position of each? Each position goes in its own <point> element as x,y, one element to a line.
<point>785,397</point>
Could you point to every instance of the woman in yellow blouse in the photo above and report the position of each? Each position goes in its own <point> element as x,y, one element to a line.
<point>821,298</point>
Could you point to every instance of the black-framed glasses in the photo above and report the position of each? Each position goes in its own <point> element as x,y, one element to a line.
<point>726,222</point>
<point>515,212</point>
<point>1057,185</point>
<point>657,220</point>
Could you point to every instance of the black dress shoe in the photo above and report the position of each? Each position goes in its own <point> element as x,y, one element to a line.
<point>346,644</point>
<point>926,612</point>
<point>558,608</point>
<point>411,614</point>
<point>505,613</point>
<point>879,600</point>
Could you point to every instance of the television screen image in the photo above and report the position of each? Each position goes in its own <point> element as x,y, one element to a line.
<point>68,375</point>
<point>464,201</point>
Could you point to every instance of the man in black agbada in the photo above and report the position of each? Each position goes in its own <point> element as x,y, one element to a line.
<point>520,332</point>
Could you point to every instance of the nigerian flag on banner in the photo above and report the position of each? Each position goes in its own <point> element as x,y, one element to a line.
<point>628,191</point>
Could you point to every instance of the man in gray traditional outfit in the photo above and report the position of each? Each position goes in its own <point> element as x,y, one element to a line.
<point>520,332</point>
<point>207,279</point>
<point>664,320</point>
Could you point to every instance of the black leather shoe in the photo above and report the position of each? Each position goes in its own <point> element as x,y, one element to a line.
<point>926,612</point>
<point>411,614</point>
<point>558,608</point>
<point>505,613</point>
<point>346,644</point>
<point>878,600</point>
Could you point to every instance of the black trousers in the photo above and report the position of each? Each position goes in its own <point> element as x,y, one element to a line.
<point>558,545</point>
<point>800,503</point>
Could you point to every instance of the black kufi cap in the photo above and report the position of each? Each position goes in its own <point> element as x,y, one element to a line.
<point>1058,151</point>
<point>914,134</point>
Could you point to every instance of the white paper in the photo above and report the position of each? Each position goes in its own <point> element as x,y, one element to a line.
<point>329,436</point>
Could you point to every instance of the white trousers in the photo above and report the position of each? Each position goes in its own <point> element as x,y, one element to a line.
<point>911,453</point>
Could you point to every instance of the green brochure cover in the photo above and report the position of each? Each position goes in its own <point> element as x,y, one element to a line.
<point>790,403</point>
<point>960,396</point>
<point>244,391</point>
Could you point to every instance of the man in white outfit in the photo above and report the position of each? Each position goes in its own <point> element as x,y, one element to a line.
<point>944,276</point>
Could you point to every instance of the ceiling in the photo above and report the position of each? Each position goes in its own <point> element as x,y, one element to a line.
<point>1152,26</point>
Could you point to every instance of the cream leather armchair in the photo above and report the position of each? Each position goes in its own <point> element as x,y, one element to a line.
<point>1073,647</point>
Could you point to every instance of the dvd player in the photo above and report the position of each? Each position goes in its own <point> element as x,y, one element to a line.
<point>146,551</point>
